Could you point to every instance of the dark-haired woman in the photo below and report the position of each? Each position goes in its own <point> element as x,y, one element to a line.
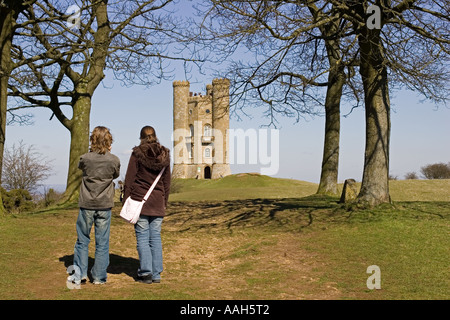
<point>146,162</point>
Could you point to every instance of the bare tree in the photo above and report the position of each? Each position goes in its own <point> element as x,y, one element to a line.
<point>301,63</point>
<point>24,168</point>
<point>436,171</point>
<point>403,44</point>
<point>411,176</point>
<point>9,12</point>
<point>132,38</point>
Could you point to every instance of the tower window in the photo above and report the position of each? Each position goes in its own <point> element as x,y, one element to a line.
<point>208,111</point>
<point>207,131</point>
<point>207,153</point>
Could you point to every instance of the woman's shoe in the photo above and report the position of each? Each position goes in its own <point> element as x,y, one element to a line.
<point>145,279</point>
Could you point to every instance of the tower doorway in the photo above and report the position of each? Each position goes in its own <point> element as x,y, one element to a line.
<point>207,172</point>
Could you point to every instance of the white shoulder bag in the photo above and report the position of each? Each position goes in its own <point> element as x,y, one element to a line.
<point>131,209</point>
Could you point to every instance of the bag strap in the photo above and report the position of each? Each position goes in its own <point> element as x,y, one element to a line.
<point>153,185</point>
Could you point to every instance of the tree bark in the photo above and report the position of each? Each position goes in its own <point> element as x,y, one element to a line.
<point>336,81</point>
<point>79,145</point>
<point>85,86</point>
<point>330,162</point>
<point>79,127</point>
<point>8,16</point>
<point>375,182</point>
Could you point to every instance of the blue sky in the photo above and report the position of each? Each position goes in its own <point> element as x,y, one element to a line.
<point>420,132</point>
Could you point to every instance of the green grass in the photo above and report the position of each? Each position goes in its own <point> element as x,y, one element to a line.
<point>274,240</point>
<point>409,244</point>
<point>420,190</point>
<point>241,186</point>
<point>251,186</point>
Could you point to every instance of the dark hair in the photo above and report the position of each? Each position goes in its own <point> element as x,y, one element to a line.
<point>101,140</point>
<point>148,134</point>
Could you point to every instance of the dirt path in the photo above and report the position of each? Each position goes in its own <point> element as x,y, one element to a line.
<point>226,250</point>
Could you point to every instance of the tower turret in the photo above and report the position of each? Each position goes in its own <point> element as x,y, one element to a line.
<point>221,124</point>
<point>180,128</point>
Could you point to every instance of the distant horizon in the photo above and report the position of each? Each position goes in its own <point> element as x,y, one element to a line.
<point>61,187</point>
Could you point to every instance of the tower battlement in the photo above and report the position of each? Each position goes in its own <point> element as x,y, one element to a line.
<point>198,98</point>
<point>221,81</point>
<point>181,83</point>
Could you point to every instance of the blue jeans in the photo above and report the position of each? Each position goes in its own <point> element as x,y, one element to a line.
<point>149,246</point>
<point>102,221</point>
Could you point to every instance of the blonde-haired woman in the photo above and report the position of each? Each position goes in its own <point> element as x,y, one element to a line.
<point>146,162</point>
<point>100,167</point>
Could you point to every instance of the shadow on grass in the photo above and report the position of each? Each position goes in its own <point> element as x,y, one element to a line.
<point>117,264</point>
<point>292,213</point>
<point>54,209</point>
<point>440,209</point>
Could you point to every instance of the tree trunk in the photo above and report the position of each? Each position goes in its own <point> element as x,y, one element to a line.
<point>3,107</point>
<point>375,183</point>
<point>330,162</point>
<point>85,86</point>
<point>8,16</point>
<point>79,145</point>
<point>3,113</point>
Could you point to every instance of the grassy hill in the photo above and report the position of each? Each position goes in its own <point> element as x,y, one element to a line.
<point>279,241</point>
<point>240,186</point>
<point>253,186</point>
<point>420,190</point>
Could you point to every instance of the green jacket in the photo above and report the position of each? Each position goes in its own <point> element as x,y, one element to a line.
<point>97,186</point>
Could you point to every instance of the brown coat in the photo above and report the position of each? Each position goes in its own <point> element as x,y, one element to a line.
<point>146,161</point>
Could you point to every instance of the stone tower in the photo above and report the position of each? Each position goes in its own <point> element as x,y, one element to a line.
<point>200,130</point>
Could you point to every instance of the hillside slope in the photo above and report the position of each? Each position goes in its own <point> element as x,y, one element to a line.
<point>240,186</point>
<point>252,186</point>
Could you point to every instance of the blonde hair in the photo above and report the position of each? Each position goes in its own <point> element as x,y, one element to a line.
<point>148,134</point>
<point>101,140</point>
